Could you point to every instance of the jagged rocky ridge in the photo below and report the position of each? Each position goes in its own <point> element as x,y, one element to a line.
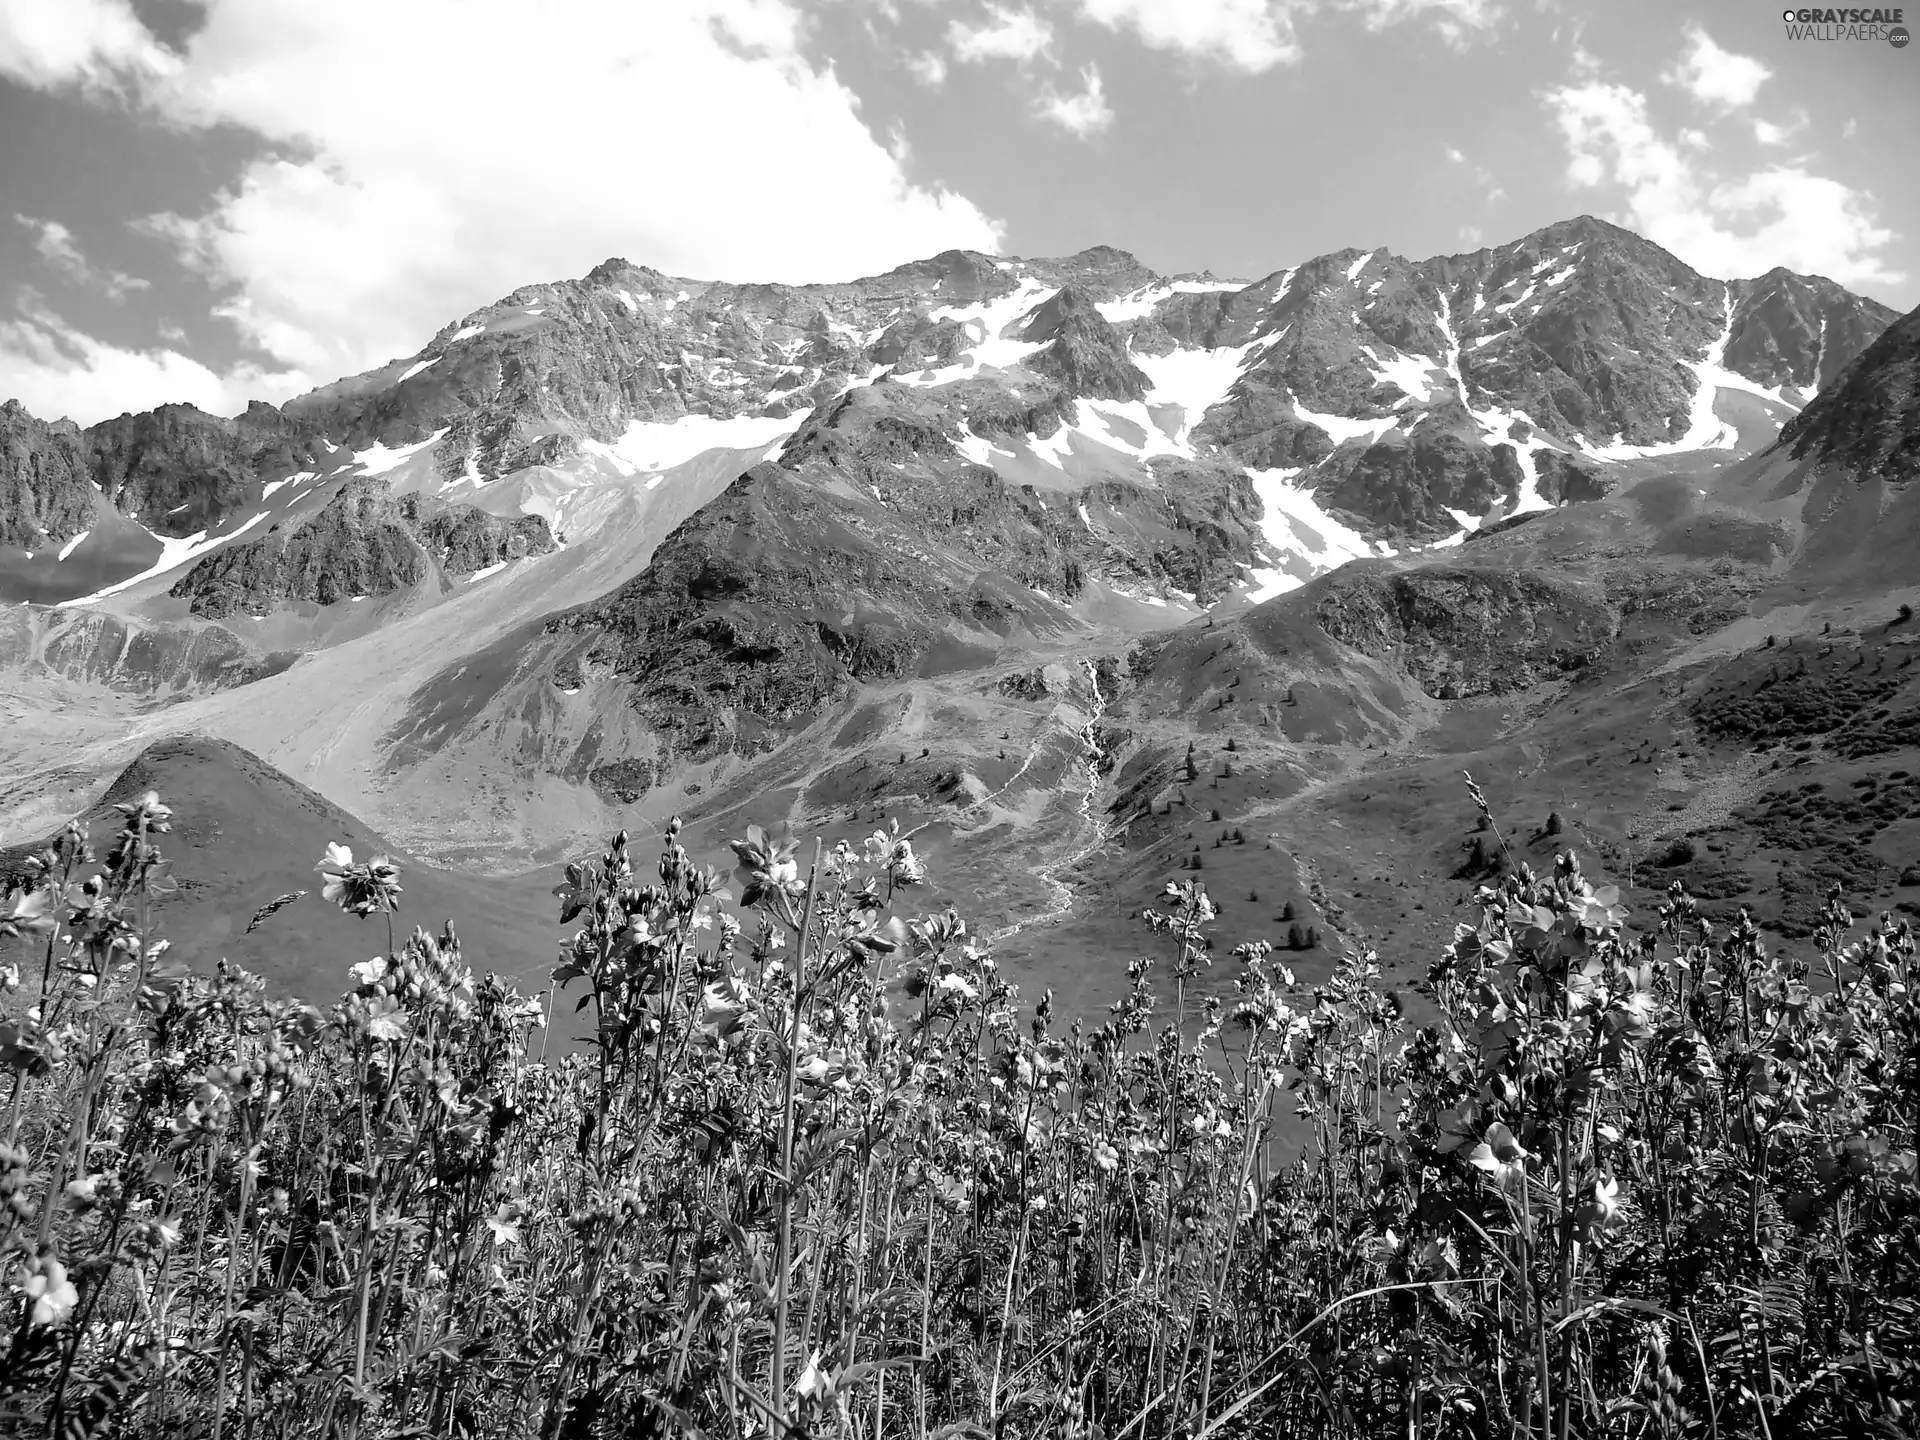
<point>366,541</point>
<point>1403,400</point>
<point>176,469</point>
<point>1870,420</point>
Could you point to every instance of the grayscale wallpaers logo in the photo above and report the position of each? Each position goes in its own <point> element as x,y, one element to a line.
<point>1820,24</point>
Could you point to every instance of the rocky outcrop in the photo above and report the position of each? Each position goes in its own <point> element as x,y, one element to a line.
<point>1869,420</point>
<point>159,661</point>
<point>770,603</point>
<point>1562,480</point>
<point>177,470</point>
<point>1084,355</point>
<point>1462,632</point>
<point>44,495</point>
<point>1409,483</point>
<point>180,471</point>
<point>1194,524</point>
<point>366,541</point>
<point>1799,330</point>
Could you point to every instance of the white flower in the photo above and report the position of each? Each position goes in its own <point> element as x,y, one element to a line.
<point>338,857</point>
<point>53,1295</point>
<point>813,1384</point>
<point>783,872</point>
<point>369,972</point>
<point>957,985</point>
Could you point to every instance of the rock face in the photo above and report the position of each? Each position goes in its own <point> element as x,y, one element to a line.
<point>1463,631</point>
<point>1798,330</point>
<point>44,495</point>
<point>365,541</point>
<point>177,469</point>
<point>151,661</point>
<point>181,471</point>
<point>1084,355</point>
<point>775,598</point>
<point>1870,419</point>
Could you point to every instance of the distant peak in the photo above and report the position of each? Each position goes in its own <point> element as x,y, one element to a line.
<point>615,267</point>
<point>1105,255</point>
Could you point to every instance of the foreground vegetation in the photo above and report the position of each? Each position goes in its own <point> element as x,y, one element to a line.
<point>822,1176</point>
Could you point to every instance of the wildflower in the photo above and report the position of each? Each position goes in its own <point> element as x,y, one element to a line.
<point>24,912</point>
<point>504,1224</point>
<point>52,1294</point>
<point>766,867</point>
<point>1604,1211</point>
<point>814,1383</point>
<point>83,1193</point>
<point>1105,1156</point>
<point>1501,1156</point>
<point>954,984</point>
<point>369,972</point>
<point>359,889</point>
<point>147,813</point>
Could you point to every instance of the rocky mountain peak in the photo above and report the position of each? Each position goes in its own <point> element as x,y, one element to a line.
<point>1388,401</point>
<point>1869,419</point>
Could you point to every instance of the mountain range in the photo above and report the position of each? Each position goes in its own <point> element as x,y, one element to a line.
<point>1077,568</point>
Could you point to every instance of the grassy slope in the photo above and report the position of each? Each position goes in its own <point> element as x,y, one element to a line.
<point>244,833</point>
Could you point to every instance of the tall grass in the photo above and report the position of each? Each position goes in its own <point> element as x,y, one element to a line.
<point>822,1175</point>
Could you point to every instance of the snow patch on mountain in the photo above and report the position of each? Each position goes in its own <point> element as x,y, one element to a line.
<point>173,554</point>
<point>649,446</point>
<point>1341,428</point>
<point>1413,374</point>
<point>1306,540</point>
<point>1138,304</point>
<point>379,459</point>
<point>987,348</point>
<point>1705,430</point>
<point>1195,380</point>
<point>299,477</point>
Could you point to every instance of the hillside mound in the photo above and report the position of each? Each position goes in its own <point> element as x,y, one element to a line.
<point>244,833</point>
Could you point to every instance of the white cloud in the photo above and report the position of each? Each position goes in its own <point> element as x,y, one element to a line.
<point>1728,226</point>
<point>45,43</point>
<point>1084,114</point>
<point>1472,234</point>
<point>61,252</point>
<point>1769,134</point>
<point>1246,35</point>
<point>1006,34</point>
<point>1455,156</point>
<point>55,370</point>
<point>424,173</point>
<point>929,69</point>
<point>1458,21</point>
<point>1256,35</point>
<point>1714,76</point>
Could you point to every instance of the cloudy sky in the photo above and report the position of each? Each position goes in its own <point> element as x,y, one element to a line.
<point>221,200</point>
